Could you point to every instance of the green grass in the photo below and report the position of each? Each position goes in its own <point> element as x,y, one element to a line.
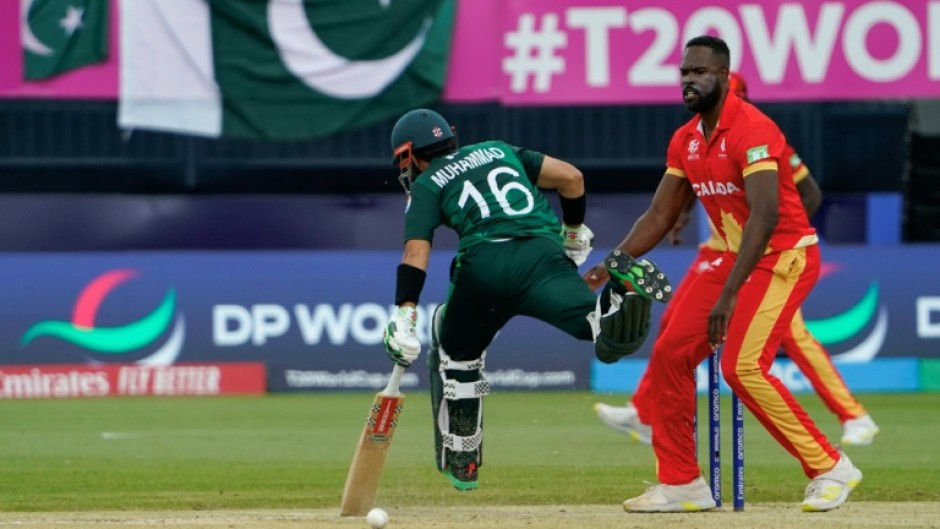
<point>293,451</point>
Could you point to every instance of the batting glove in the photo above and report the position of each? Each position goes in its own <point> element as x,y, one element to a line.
<point>401,338</point>
<point>578,242</point>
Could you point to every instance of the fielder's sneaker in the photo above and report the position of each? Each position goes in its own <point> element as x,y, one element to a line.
<point>860,431</point>
<point>830,489</point>
<point>692,497</point>
<point>626,420</point>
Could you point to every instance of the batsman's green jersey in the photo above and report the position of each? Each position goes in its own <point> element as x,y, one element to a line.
<point>510,260</point>
<point>485,192</point>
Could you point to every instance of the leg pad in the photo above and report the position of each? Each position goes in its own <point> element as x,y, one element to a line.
<point>457,391</point>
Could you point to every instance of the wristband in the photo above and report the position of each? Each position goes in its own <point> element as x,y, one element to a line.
<point>409,284</point>
<point>573,209</point>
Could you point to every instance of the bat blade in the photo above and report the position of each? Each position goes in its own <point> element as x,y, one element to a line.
<point>362,482</point>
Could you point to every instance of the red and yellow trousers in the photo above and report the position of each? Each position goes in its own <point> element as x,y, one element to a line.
<point>765,308</point>
<point>798,344</point>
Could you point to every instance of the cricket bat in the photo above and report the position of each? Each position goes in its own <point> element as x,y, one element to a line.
<point>366,468</point>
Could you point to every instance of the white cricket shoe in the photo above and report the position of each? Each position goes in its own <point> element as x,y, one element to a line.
<point>691,497</point>
<point>860,431</point>
<point>830,489</point>
<point>626,420</point>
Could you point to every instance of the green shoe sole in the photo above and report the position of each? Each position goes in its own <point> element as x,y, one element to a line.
<point>462,486</point>
<point>642,277</point>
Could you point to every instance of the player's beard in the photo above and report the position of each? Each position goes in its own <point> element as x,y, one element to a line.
<point>415,171</point>
<point>704,102</point>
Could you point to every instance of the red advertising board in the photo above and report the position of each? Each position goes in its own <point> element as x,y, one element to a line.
<point>107,380</point>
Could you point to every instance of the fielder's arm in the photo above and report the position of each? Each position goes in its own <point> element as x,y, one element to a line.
<point>681,222</point>
<point>672,195</point>
<point>810,195</point>
<point>760,188</point>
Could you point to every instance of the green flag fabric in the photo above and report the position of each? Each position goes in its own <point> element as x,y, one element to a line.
<point>61,35</point>
<point>279,69</point>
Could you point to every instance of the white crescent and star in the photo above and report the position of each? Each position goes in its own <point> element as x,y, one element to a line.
<point>71,22</point>
<point>303,53</point>
<point>317,66</point>
<point>29,41</point>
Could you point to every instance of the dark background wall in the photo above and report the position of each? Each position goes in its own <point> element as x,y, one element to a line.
<point>74,146</point>
<point>71,180</point>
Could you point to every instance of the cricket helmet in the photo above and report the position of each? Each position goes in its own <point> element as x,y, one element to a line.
<point>420,132</point>
<point>422,128</point>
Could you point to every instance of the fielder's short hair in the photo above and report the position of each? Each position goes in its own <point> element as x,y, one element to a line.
<point>718,47</point>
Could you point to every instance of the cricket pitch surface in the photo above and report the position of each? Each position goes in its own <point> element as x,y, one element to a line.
<point>852,515</point>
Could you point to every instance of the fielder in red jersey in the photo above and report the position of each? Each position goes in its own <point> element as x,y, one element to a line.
<point>799,344</point>
<point>730,155</point>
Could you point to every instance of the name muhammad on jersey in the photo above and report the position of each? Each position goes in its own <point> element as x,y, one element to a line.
<point>472,160</point>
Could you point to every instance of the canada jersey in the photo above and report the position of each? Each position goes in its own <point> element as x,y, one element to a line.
<point>744,142</point>
<point>485,192</point>
<point>800,172</point>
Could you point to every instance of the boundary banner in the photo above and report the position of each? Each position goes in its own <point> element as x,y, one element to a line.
<point>930,374</point>
<point>883,375</point>
<point>559,52</point>
<point>130,380</point>
<point>315,319</point>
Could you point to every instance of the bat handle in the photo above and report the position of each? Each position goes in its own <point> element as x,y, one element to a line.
<point>394,381</point>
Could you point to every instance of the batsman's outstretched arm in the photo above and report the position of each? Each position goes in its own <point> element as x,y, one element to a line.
<point>417,253</point>
<point>568,181</point>
<point>401,339</point>
<point>561,176</point>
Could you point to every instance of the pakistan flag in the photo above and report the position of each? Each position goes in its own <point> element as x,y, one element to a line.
<point>279,69</point>
<point>61,35</point>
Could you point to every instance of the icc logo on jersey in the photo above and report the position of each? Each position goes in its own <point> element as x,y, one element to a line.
<point>693,150</point>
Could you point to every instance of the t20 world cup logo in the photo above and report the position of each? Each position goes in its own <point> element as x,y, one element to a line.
<point>117,342</point>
